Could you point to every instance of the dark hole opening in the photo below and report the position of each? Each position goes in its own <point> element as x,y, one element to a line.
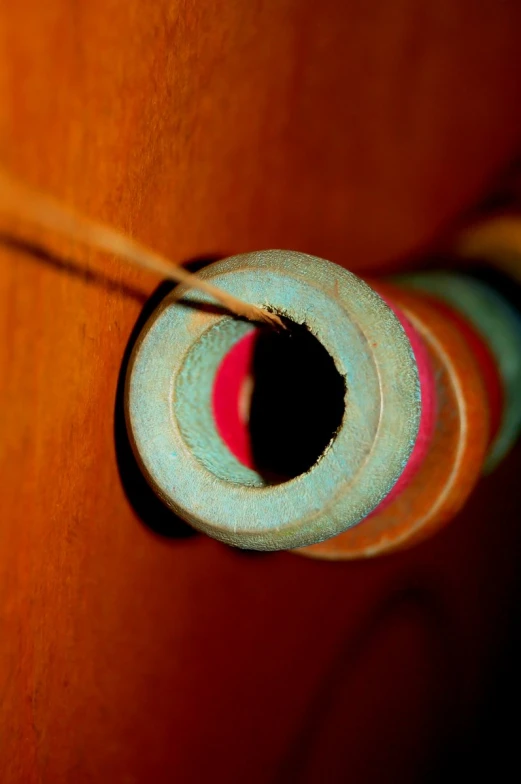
<point>297,402</point>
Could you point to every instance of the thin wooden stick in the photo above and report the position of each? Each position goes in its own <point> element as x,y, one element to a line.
<point>26,203</point>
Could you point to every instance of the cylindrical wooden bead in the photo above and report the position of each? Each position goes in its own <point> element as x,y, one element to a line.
<point>171,422</point>
<point>427,365</point>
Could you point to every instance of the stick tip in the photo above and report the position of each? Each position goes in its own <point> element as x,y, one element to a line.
<point>267,317</point>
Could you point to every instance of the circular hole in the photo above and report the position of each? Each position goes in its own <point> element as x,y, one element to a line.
<point>278,402</point>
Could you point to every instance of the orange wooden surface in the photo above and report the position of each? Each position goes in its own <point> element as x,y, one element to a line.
<point>352,130</point>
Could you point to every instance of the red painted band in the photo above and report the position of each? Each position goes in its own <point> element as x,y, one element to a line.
<point>229,385</point>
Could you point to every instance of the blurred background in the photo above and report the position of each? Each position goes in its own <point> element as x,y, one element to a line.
<point>362,131</point>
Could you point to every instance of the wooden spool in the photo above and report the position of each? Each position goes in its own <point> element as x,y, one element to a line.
<point>371,491</point>
<point>170,420</point>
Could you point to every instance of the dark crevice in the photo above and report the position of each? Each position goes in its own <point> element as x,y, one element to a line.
<point>297,402</point>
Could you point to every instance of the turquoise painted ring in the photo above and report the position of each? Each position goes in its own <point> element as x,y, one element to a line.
<point>169,412</point>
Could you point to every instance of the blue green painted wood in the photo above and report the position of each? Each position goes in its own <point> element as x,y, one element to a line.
<point>171,425</point>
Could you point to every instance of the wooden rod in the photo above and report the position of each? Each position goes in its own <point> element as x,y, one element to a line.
<point>26,203</point>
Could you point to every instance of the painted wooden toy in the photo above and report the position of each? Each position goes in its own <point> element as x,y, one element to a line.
<point>359,430</point>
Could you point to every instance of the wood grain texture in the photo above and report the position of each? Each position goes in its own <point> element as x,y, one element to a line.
<point>351,130</point>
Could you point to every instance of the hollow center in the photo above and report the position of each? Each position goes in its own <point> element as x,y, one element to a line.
<point>281,402</point>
